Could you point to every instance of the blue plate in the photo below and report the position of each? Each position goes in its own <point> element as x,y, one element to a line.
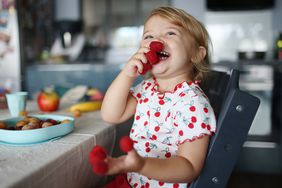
<point>33,136</point>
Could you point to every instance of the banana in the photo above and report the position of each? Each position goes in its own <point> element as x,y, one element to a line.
<point>86,106</point>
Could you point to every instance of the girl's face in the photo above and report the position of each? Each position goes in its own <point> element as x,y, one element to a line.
<point>177,43</point>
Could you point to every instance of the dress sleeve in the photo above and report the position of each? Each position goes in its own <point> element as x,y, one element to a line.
<point>194,118</point>
<point>136,91</point>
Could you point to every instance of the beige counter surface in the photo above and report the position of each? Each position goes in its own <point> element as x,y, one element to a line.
<point>56,163</point>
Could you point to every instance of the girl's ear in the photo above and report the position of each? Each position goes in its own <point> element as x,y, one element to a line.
<point>199,55</point>
<point>202,52</point>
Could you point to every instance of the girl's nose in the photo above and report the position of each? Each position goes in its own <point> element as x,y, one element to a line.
<point>158,39</point>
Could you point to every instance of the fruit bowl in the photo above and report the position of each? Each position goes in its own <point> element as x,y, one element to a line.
<point>33,136</point>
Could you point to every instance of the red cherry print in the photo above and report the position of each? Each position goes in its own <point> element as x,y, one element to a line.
<point>145,123</point>
<point>206,110</point>
<point>161,102</point>
<point>148,85</point>
<point>147,144</point>
<point>168,155</point>
<point>175,124</point>
<point>175,185</point>
<point>157,128</point>
<point>154,137</point>
<point>203,125</point>
<point>137,117</point>
<point>145,100</point>
<point>138,95</point>
<point>132,130</point>
<point>161,183</point>
<point>168,114</point>
<point>208,127</point>
<point>193,119</point>
<point>135,185</point>
<point>140,102</point>
<point>181,94</point>
<point>157,114</point>
<point>147,185</point>
<point>143,186</point>
<point>192,108</point>
<point>191,125</point>
<point>181,133</point>
<point>148,113</point>
<point>148,150</point>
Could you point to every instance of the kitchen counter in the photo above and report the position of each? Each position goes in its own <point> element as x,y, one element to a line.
<point>60,162</point>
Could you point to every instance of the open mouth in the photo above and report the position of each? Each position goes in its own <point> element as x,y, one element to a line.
<point>163,55</point>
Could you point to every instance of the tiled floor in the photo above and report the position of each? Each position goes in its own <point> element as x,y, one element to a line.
<point>255,181</point>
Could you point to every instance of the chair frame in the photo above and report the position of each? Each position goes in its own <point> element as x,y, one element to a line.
<point>235,117</point>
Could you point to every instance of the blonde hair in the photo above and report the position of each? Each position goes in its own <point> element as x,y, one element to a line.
<point>195,29</point>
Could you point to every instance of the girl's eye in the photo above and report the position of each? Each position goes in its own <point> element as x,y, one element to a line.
<point>171,33</point>
<point>148,37</point>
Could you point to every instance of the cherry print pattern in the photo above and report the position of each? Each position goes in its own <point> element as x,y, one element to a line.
<point>168,119</point>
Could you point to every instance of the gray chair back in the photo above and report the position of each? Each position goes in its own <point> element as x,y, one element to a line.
<point>235,111</point>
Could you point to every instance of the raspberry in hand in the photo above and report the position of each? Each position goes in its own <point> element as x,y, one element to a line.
<point>98,153</point>
<point>152,57</point>
<point>156,46</point>
<point>126,144</point>
<point>146,67</point>
<point>100,168</point>
<point>96,158</point>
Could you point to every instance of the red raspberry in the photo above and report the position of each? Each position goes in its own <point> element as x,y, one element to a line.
<point>126,144</point>
<point>98,153</point>
<point>100,168</point>
<point>146,67</point>
<point>152,57</point>
<point>156,46</point>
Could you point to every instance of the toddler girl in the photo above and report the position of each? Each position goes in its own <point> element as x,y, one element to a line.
<point>173,119</point>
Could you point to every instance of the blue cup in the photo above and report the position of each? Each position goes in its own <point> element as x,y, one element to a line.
<point>16,102</point>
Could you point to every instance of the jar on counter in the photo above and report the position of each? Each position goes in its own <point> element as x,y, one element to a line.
<point>3,102</point>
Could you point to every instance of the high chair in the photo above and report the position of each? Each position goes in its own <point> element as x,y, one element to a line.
<point>235,111</point>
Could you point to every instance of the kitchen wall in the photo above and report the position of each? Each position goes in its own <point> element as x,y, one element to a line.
<point>10,67</point>
<point>233,31</point>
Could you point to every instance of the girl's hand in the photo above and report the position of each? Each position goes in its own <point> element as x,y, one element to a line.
<point>135,64</point>
<point>132,162</point>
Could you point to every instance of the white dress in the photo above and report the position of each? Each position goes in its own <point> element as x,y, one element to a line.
<point>165,120</point>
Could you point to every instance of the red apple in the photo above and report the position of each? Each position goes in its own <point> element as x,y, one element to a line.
<point>48,101</point>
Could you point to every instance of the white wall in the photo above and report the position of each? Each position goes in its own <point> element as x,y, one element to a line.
<point>231,31</point>
<point>10,68</point>
<point>194,7</point>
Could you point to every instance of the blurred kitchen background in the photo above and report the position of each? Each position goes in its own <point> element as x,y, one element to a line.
<point>65,43</point>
